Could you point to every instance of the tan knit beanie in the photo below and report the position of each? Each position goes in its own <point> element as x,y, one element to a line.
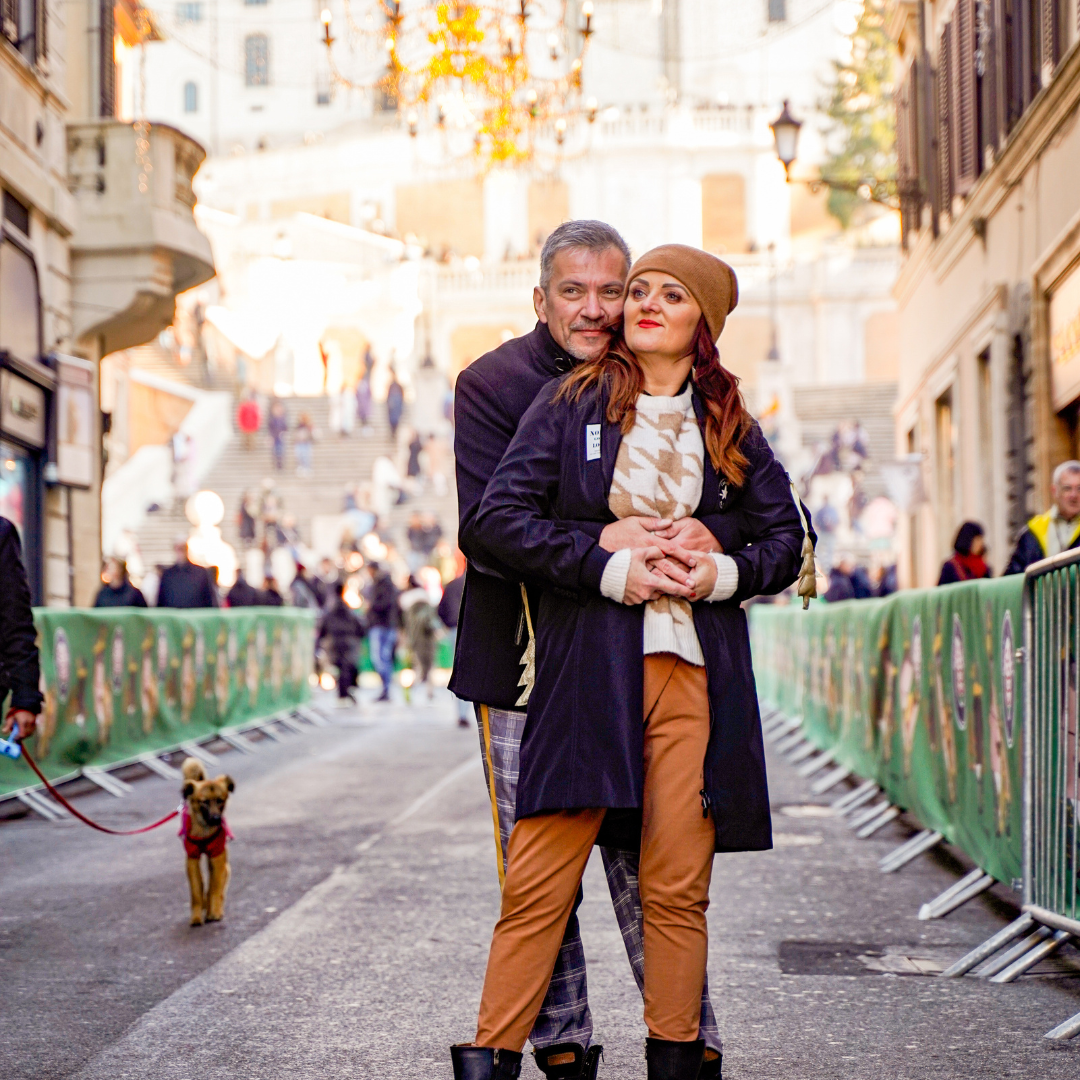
<point>711,281</point>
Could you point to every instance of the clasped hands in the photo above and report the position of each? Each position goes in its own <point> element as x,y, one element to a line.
<point>667,558</point>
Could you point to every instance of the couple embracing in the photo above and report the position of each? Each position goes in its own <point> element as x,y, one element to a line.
<point>617,503</point>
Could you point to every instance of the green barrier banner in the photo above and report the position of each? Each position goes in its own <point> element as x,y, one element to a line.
<point>119,682</point>
<point>920,692</point>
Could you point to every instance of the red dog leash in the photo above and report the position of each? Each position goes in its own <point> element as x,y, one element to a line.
<point>82,817</point>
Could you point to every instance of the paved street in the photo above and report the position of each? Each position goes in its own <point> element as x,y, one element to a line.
<point>363,896</point>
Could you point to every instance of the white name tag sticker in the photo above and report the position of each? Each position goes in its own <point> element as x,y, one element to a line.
<point>592,442</point>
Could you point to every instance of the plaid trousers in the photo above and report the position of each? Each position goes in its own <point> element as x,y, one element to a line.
<point>564,1015</point>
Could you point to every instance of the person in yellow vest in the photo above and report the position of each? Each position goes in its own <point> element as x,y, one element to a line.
<point>1058,529</point>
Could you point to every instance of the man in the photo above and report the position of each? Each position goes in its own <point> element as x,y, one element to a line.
<point>242,594</point>
<point>1058,529</point>
<point>342,631</point>
<point>383,620</point>
<point>186,585</point>
<point>578,303</point>
<point>19,671</point>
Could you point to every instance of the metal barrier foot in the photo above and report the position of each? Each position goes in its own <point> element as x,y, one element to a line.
<point>817,764</point>
<point>162,768</point>
<point>789,742</point>
<point>1030,959</point>
<point>967,888</point>
<point>43,807</point>
<point>991,945</point>
<point>193,749</point>
<point>830,780</point>
<point>1068,1029</point>
<point>890,813</point>
<point>112,784</point>
<point>855,798</point>
<point>237,741</point>
<point>272,732</point>
<point>1022,947</point>
<point>914,847</point>
<point>802,753</point>
<point>785,727</point>
<point>868,814</point>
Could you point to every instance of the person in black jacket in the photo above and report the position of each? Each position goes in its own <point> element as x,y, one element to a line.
<point>186,585</point>
<point>242,594</point>
<point>19,671</point>
<point>1058,529</point>
<point>383,622</point>
<point>578,303</point>
<point>662,429</point>
<point>117,591</point>
<point>342,629</point>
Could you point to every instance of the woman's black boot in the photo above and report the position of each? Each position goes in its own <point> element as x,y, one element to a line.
<point>569,1061</point>
<point>673,1060</point>
<point>484,1063</point>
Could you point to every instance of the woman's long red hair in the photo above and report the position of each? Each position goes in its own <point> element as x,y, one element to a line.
<point>726,424</point>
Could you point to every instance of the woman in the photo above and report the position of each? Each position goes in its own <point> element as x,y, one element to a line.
<point>117,589</point>
<point>303,438</point>
<point>421,629</point>
<point>655,428</point>
<point>967,562</point>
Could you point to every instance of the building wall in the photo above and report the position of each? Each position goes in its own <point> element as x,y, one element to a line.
<point>972,327</point>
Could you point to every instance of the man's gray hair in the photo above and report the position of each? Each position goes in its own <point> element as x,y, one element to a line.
<point>591,235</point>
<point>1063,468</point>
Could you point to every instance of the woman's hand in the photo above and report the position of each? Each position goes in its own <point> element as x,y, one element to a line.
<point>632,532</point>
<point>643,582</point>
<point>703,578</point>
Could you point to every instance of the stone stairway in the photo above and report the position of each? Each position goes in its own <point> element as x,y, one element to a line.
<point>337,463</point>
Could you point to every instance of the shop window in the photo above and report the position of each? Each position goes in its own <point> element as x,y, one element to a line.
<point>189,13</point>
<point>191,97</point>
<point>257,60</point>
<point>777,10</point>
<point>20,306</point>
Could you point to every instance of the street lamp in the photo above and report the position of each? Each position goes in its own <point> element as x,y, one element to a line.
<point>785,129</point>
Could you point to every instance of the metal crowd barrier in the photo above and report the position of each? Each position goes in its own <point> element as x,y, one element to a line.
<point>1051,909</point>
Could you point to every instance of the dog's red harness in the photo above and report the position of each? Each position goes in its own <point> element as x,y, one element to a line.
<point>212,845</point>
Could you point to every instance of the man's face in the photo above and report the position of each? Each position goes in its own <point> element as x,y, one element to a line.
<point>583,301</point>
<point>1066,494</point>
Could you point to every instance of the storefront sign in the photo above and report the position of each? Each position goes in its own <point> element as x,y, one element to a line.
<point>22,410</point>
<point>1065,340</point>
<point>75,427</point>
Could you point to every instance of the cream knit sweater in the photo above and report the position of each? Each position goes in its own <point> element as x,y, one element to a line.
<point>659,473</point>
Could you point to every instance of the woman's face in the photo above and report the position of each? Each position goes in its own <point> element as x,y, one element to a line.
<point>660,316</point>
<point>978,546</point>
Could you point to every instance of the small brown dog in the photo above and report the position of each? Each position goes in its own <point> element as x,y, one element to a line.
<point>204,832</point>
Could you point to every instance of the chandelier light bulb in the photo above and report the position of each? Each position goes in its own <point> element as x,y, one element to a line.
<point>591,110</point>
<point>560,130</point>
<point>587,9</point>
<point>390,44</point>
<point>326,17</point>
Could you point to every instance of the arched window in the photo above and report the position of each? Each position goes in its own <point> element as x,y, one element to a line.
<point>191,97</point>
<point>257,60</point>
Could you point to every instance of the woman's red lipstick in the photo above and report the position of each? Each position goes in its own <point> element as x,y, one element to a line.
<point>647,324</point>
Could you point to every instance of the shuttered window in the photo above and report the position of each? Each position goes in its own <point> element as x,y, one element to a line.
<point>944,85</point>
<point>907,151</point>
<point>964,127</point>
<point>41,31</point>
<point>106,61</point>
<point>22,22</point>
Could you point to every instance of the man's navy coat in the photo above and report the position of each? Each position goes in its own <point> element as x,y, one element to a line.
<point>583,742</point>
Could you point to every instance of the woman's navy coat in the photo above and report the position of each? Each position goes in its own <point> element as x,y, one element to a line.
<point>583,742</point>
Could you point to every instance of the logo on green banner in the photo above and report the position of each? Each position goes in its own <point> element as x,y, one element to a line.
<point>1008,674</point>
<point>959,692</point>
<point>118,661</point>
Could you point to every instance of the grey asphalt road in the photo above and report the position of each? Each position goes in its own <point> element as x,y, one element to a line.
<point>358,919</point>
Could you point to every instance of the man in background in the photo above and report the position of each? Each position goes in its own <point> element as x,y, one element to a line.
<point>185,585</point>
<point>1058,529</point>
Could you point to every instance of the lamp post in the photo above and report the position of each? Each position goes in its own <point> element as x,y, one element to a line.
<point>785,129</point>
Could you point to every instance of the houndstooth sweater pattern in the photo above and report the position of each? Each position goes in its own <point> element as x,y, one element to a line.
<point>659,472</point>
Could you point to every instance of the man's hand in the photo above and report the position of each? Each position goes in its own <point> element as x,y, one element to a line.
<point>643,583</point>
<point>632,532</point>
<point>688,532</point>
<point>26,720</point>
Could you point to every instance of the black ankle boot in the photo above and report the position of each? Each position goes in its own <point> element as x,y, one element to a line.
<point>483,1063</point>
<point>673,1060</point>
<point>569,1061</point>
<point>711,1068</point>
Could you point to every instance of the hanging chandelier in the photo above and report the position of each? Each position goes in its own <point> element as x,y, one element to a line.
<point>501,80</point>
